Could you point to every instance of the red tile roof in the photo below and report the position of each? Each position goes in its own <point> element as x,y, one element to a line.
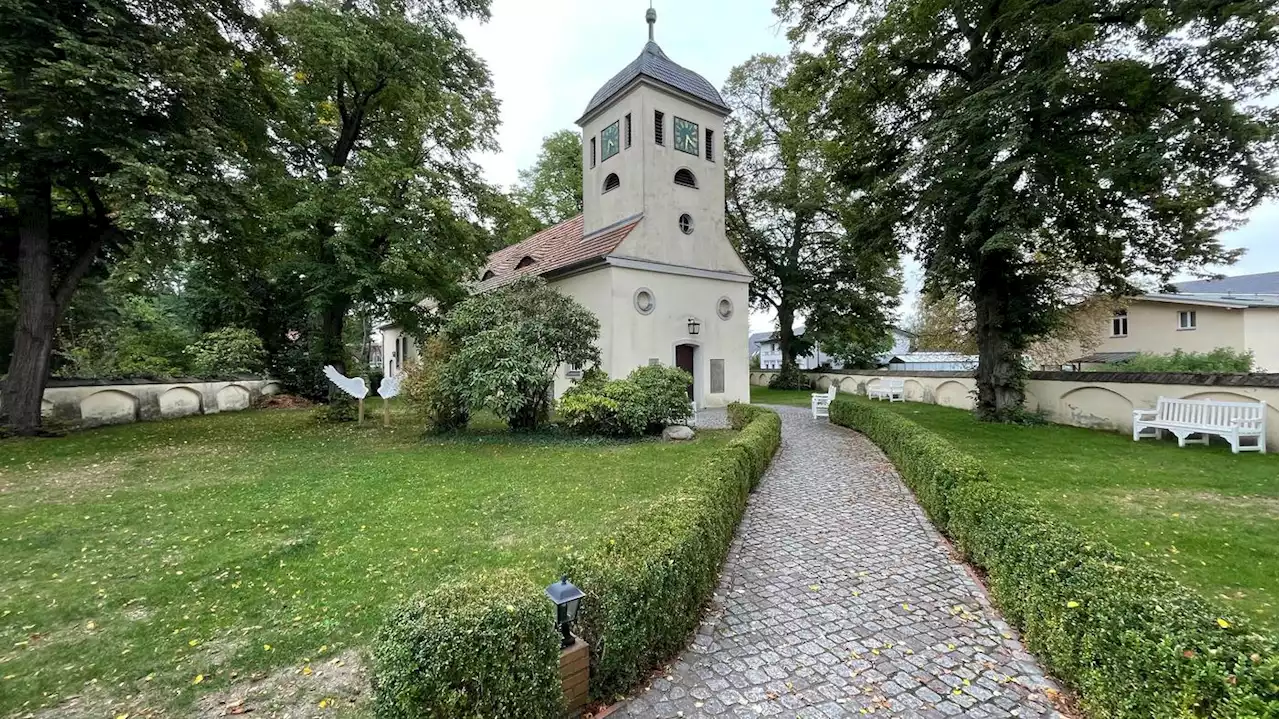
<point>554,248</point>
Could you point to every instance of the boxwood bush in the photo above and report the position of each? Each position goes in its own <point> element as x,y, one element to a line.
<point>488,647</point>
<point>646,582</point>
<point>470,650</point>
<point>1129,639</point>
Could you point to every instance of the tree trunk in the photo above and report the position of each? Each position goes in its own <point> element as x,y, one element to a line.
<point>37,310</point>
<point>786,335</point>
<point>1000,371</point>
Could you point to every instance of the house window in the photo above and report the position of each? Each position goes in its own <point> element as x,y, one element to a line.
<point>525,262</point>
<point>1120,324</point>
<point>685,178</point>
<point>611,182</point>
<point>1187,320</point>
<point>593,152</point>
<point>710,141</point>
<point>686,224</point>
<point>627,128</point>
<point>572,372</point>
<point>658,121</point>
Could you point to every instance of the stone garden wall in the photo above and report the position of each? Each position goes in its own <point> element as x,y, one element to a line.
<point>1099,400</point>
<point>91,402</point>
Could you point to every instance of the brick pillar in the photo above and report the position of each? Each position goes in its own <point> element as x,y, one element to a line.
<point>575,664</point>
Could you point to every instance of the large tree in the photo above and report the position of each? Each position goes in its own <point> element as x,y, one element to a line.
<point>1019,144</point>
<point>118,118</point>
<point>381,105</point>
<point>552,188</point>
<point>804,237</point>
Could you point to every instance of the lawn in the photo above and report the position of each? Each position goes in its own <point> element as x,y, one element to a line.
<point>1204,515</point>
<point>146,565</point>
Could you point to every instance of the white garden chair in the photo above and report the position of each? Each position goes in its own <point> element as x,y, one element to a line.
<point>820,402</point>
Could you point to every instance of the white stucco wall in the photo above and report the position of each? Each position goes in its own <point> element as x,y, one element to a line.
<point>96,404</point>
<point>1262,335</point>
<point>1153,327</point>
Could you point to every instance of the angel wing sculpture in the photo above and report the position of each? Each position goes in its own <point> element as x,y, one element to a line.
<point>389,387</point>
<point>353,386</point>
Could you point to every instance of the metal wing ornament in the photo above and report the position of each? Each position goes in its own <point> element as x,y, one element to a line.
<point>389,387</point>
<point>353,386</point>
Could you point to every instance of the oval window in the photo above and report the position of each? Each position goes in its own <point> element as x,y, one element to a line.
<point>644,301</point>
<point>724,308</point>
<point>686,223</point>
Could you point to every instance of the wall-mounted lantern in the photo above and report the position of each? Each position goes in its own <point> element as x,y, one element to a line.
<point>694,326</point>
<point>566,598</point>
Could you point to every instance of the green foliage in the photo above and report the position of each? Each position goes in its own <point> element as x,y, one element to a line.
<point>1221,360</point>
<point>742,414</point>
<point>340,407</point>
<point>228,351</point>
<point>1000,143</point>
<point>802,234</point>
<point>509,342</point>
<point>142,339</point>
<point>298,372</point>
<point>790,377</point>
<point>432,391</point>
<point>647,582</point>
<point>1131,640</point>
<point>650,398</point>
<point>552,189</point>
<point>471,650</point>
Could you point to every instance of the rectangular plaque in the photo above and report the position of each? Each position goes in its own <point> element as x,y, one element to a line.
<point>717,376</point>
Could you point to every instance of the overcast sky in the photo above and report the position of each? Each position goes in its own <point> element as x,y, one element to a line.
<point>548,57</point>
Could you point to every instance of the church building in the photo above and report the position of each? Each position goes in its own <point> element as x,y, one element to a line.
<point>648,255</point>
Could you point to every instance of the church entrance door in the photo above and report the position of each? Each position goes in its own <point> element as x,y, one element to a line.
<point>684,360</point>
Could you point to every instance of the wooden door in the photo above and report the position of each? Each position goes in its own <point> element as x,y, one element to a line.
<point>684,360</point>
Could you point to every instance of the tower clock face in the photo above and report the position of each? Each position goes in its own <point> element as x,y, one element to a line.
<point>686,136</point>
<point>609,142</point>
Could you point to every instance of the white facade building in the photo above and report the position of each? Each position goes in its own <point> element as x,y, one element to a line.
<point>649,255</point>
<point>771,353</point>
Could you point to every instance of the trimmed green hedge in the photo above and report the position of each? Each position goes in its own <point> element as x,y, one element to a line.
<point>648,581</point>
<point>1130,639</point>
<point>489,648</point>
<point>470,650</point>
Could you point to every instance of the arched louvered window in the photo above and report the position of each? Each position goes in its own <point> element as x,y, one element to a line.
<point>488,275</point>
<point>525,262</point>
<point>685,178</point>
<point>612,182</point>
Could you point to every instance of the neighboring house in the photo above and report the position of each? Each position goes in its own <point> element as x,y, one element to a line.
<point>1241,313</point>
<point>771,353</point>
<point>648,255</point>
<point>932,362</point>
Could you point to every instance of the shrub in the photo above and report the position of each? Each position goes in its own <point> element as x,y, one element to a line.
<point>647,582</point>
<point>469,650</point>
<point>430,388</point>
<point>228,351</point>
<point>508,343</point>
<point>1221,360</point>
<point>649,399</point>
<point>790,377</point>
<point>341,407</point>
<point>1130,639</point>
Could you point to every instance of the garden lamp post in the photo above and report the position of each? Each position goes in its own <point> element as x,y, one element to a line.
<point>694,326</point>
<point>566,598</point>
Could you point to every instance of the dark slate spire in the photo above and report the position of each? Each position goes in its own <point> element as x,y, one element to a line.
<point>656,66</point>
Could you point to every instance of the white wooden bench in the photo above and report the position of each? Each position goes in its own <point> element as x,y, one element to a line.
<point>1233,421</point>
<point>893,390</point>
<point>820,402</point>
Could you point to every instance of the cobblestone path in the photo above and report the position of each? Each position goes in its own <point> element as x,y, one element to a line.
<point>840,599</point>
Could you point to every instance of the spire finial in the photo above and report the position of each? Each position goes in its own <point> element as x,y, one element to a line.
<point>651,17</point>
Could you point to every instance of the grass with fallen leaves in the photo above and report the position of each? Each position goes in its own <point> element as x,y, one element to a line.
<point>1200,513</point>
<point>147,565</point>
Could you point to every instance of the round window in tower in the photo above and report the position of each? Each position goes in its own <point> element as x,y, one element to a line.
<point>686,224</point>
<point>724,308</point>
<point>644,300</point>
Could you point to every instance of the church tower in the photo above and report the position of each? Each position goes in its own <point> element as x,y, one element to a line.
<point>652,142</point>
